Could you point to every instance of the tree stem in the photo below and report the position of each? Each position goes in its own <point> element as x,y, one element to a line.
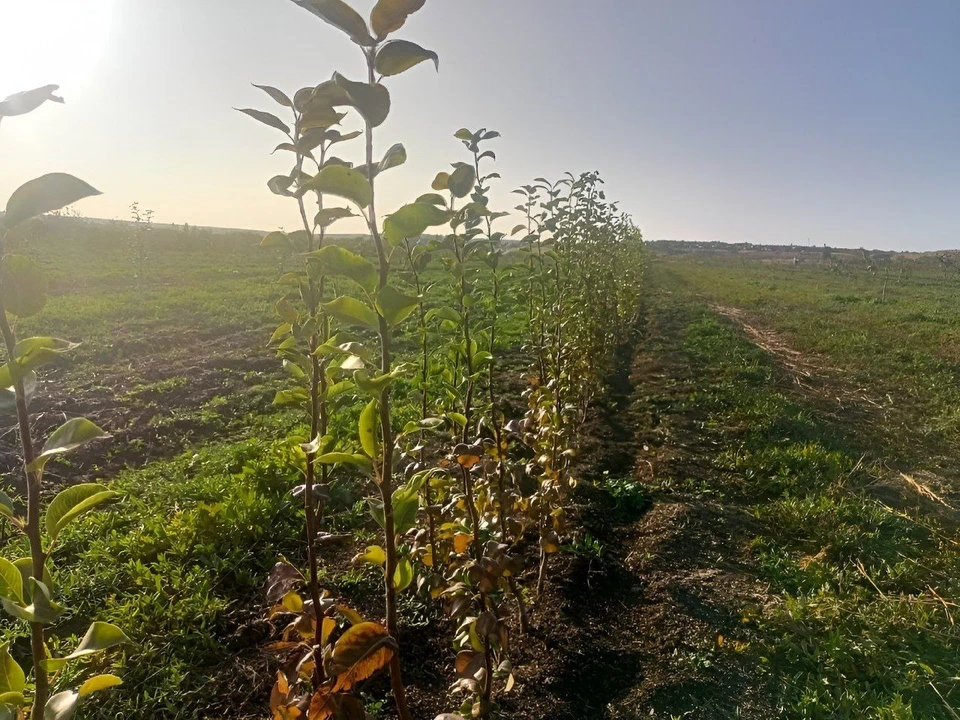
<point>386,428</point>
<point>33,479</point>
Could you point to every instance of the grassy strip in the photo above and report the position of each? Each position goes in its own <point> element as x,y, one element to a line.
<point>860,633</point>
<point>179,563</point>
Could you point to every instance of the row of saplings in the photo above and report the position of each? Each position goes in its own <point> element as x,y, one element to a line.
<point>462,489</point>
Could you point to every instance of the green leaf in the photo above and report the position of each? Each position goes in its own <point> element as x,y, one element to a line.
<point>30,354</point>
<point>340,458</point>
<point>320,118</point>
<point>352,312</point>
<point>29,100</point>
<point>334,260</point>
<point>287,311</point>
<point>375,385</point>
<point>73,502</point>
<point>462,180</point>
<point>441,181</point>
<point>328,216</point>
<point>42,610</point>
<point>277,239</point>
<point>280,185</point>
<point>61,706</point>
<point>266,118</point>
<point>99,637</point>
<point>433,199</point>
<point>343,182</point>
<point>463,134</point>
<point>6,505</point>
<point>406,502</point>
<point>403,575</point>
<point>69,436</point>
<point>394,157</point>
<point>390,15</point>
<point>11,582</point>
<point>25,567</point>
<point>8,396</point>
<point>44,194</point>
<point>394,305</point>
<point>398,56</point>
<point>445,313</point>
<point>412,220</point>
<point>459,418</point>
<point>296,396</point>
<point>368,428</point>
<point>12,677</point>
<point>278,96</point>
<point>97,683</point>
<point>341,16</point>
<point>371,101</point>
<point>11,698</point>
<point>24,286</point>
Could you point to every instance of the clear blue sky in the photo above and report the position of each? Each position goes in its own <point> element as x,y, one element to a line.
<point>836,121</point>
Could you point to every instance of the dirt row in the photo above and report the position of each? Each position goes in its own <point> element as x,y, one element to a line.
<point>646,629</point>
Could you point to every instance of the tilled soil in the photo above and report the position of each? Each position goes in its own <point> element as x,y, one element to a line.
<point>146,423</point>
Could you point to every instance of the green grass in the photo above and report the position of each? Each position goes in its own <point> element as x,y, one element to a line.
<point>857,632</point>
<point>905,345</point>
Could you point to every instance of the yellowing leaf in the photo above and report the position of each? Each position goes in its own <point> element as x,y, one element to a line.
<point>461,541</point>
<point>375,555</point>
<point>98,682</point>
<point>351,615</point>
<point>329,625</point>
<point>359,653</point>
<point>292,602</point>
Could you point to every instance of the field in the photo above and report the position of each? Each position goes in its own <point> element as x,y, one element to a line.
<point>764,525</point>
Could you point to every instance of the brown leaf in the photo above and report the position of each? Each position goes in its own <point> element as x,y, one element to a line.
<point>468,662</point>
<point>280,692</point>
<point>283,578</point>
<point>327,705</point>
<point>359,653</point>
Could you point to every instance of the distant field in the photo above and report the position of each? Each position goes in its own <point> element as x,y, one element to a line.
<point>890,332</point>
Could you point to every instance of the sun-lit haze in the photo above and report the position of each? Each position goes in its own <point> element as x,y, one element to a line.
<point>768,121</point>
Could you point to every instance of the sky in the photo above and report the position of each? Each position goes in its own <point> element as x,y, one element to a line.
<point>766,121</point>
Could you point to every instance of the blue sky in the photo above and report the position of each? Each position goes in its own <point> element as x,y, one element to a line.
<point>781,121</point>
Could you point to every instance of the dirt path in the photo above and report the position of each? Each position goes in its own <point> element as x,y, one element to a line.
<point>654,626</point>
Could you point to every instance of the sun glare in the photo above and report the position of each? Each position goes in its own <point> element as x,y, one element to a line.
<point>56,41</point>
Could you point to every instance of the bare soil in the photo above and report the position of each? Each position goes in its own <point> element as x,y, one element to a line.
<point>151,406</point>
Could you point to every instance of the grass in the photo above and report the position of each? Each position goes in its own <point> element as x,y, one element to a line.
<point>904,343</point>
<point>861,629</point>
